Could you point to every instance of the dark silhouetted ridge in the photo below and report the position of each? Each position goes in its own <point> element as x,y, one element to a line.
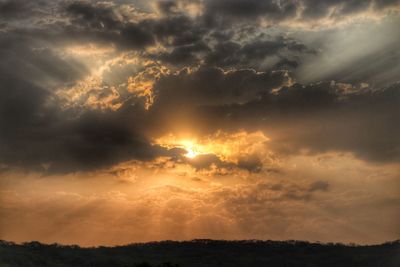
<point>202,252</point>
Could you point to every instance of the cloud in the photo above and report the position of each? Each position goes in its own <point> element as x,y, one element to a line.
<point>49,136</point>
<point>304,10</point>
<point>11,9</point>
<point>319,186</point>
<point>209,76</point>
<point>184,55</point>
<point>251,9</point>
<point>213,86</point>
<point>313,118</point>
<point>213,164</point>
<point>320,117</point>
<point>92,16</point>
<point>251,163</point>
<point>38,131</point>
<point>262,53</point>
<point>102,22</point>
<point>206,161</point>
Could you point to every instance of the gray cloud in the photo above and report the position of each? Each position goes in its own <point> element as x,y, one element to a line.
<point>318,186</point>
<point>287,9</point>
<point>220,88</point>
<point>271,53</point>
<point>37,135</point>
<point>36,131</point>
<point>319,118</point>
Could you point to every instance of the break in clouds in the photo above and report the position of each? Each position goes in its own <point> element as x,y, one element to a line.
<point>88,86</point>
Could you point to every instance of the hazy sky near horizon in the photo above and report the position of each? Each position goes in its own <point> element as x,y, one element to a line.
<point>131,121</point>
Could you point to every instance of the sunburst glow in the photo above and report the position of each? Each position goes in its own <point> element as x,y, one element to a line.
<point>225,146</point>
<point>192,147</point>
<point>191,153</point>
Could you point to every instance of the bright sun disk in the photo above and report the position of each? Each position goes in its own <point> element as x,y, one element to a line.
<point>190,153</point>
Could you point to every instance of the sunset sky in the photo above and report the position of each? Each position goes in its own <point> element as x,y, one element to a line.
<point>138,120</point>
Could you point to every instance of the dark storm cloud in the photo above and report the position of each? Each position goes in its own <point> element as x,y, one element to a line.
<point>321,118</point>
<point>184,55</point>
<point>287,9</point>
<point>283,51</point>
<point>385,3</point>
<point>10,8</point>
<point>37,134</point>
<point>167,7</point>
<point>20,9</point>
<point>251,8</point>
<point>254,53</point>
<point>103,22</point>
<point>212,86</point>
<point>317,9</point>
<point>92,16</point>
<point>176,30</point>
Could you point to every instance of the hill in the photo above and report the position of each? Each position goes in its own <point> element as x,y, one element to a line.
<point>201,253</point>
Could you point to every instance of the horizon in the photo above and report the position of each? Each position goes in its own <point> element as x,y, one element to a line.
<point>245,241</point>
<point>146,120</point>
<point>175,254</point>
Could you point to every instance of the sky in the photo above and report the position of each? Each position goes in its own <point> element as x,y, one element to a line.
<point>132,121</point>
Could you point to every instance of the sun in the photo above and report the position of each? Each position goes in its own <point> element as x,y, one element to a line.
<point>226,146</point>
<point>190,153</point>
<point>191,148</point>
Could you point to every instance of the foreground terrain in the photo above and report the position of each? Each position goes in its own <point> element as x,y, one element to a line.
<point>198,253</point>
